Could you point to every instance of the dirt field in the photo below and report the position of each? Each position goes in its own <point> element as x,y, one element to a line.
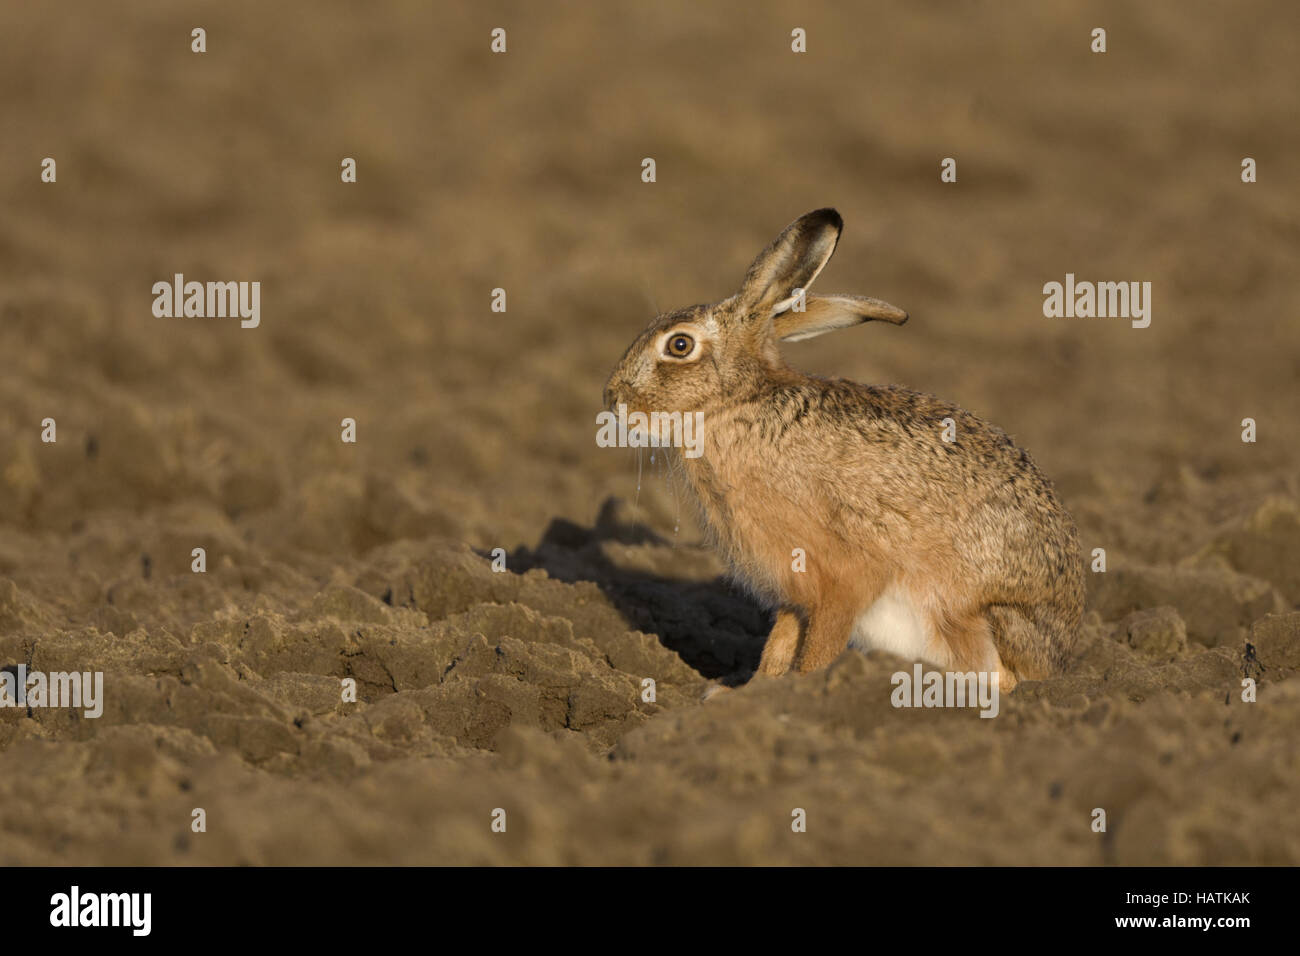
<point>476,429</point>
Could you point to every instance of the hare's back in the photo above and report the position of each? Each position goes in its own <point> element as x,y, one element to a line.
<point>940,439</point>
<point>899,450</point>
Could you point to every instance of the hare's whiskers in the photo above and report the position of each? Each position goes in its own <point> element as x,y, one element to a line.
<point>636,502</point>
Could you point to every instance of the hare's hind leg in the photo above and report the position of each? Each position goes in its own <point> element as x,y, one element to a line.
<point>972,644</point>
<point>782,644</point>
<point>1027,649</point>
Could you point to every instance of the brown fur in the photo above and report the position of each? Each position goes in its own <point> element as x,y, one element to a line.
<point>859,478</point>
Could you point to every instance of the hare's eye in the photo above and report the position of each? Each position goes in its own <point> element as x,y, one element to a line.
<point>679,346</point>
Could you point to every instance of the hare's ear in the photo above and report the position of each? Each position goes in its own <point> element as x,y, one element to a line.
<point>791,262</point>
<point>826,313</point>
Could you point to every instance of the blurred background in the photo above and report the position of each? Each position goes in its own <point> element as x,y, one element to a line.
<point>522,171</point>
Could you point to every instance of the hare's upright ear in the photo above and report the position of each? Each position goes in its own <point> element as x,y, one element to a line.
<point>826,313</point>
<point>791,262</point>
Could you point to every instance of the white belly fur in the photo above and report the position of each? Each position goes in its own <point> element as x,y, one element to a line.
<point>895,624</point>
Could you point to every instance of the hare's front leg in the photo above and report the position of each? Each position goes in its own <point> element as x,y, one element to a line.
<point>782,644</point>
<point>826,636</point>
<point>778,653</point>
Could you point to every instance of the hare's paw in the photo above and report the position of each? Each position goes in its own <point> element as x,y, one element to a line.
<point>713,689</point>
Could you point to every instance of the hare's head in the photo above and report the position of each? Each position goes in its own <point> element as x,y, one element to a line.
<point>689,359</point>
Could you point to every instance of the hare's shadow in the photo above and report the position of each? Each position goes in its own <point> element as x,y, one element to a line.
<point>712,625</point>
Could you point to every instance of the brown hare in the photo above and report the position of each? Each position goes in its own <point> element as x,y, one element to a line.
<point>955,552</point>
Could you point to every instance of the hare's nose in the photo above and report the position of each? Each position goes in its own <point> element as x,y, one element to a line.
<point>613,391</point>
